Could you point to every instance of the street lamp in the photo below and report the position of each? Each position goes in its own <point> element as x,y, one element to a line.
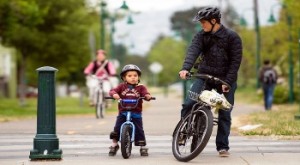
<point>257,30</point>
<point>124,6</point>
<point>102,28</point>
<point>103,16</point>
<point>243,22</point>
<point>297,116</point>
<point>124,11</point>
<point>290,53</point>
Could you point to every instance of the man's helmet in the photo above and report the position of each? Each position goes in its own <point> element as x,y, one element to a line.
<point>207,13</point>
<point>130,67</point>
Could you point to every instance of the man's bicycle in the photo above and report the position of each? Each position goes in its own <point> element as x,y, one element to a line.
<point>127,130</point>
<point>193,131</point>
<point>99,97</point>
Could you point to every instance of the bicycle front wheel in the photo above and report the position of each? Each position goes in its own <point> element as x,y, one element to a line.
<point>100,105</point>
<point>192,135</point>
<point>126,144</point>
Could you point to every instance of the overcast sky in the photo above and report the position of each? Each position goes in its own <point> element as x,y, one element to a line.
<point>153,18</point>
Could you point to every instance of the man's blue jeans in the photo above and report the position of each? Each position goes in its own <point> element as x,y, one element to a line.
<point>268,90</point>
<point>224,122</point>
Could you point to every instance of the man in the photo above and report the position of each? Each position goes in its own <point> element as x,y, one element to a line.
<point>268,77</point>
<point>103,69</point>
<point>221,53</point>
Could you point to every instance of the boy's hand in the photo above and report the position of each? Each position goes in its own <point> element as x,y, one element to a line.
<point>116,96</point>
<point>148,97</point>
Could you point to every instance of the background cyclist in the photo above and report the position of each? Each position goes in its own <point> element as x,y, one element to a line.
<point>103,69</point>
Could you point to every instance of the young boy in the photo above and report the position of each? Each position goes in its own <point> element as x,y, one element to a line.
<point>130,89</point>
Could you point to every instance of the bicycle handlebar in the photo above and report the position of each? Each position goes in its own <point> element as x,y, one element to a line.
<point>96,77</point>
<point>133,101</point>
<point>209,77</point>
<point>108,97</point>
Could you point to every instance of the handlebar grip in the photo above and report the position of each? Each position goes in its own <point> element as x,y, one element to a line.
<point>107,97</point>
<point>189,75</point>
<point>153,98</point>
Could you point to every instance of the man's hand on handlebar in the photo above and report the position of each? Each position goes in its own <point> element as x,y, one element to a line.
<point>183,73</point>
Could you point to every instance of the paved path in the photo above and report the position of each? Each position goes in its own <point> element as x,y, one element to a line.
<point>84,140</point>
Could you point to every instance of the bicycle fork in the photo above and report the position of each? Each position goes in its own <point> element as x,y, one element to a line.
<point>128,122</point>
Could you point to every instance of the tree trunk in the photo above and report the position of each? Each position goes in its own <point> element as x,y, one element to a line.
<point>22,80</point>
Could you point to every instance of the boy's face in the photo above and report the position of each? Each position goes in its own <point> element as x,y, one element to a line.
<point>131,77</point>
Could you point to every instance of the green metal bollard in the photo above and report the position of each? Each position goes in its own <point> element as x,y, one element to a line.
<point>46,143</point>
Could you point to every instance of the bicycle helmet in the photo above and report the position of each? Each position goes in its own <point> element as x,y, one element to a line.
<point>130,67</point>
<point>208,13</point>
<point>101,51</point>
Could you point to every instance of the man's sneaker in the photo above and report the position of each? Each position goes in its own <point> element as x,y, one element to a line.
<point>113,150</point>
<point>144,151</point>
<point>223,153</point>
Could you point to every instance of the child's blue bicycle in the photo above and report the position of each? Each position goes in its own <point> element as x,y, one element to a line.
<point>127,130</point>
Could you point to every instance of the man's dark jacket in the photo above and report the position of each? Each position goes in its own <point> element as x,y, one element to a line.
<point>221,54</point>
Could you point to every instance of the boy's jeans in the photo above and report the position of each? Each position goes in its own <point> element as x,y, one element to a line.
<point>224,122</point>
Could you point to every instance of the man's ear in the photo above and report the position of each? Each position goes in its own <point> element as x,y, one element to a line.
<point>213,21</point>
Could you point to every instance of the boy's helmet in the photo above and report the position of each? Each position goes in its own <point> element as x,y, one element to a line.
<point>130,67</point>
<point>207,13</point>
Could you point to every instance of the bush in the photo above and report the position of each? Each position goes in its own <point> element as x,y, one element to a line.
<point>281,94</point>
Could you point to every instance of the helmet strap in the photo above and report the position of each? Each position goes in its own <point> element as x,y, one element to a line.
<point>212,26</point>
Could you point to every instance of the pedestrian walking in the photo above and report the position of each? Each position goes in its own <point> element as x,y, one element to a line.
<point>268,78</point>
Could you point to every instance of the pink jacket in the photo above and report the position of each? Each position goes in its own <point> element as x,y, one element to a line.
<point>107,71</point>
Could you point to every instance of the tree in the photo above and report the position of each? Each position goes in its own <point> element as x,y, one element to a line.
<point>170,53</point>
<point>46,33</point>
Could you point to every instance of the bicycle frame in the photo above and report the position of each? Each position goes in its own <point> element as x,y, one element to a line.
<point>98,95</point>
<point>128,115</point>
<point>99,87</point>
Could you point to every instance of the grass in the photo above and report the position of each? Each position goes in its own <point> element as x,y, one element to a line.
<point>10,109</point>
<point>279,122</point>
<point>248,96</point>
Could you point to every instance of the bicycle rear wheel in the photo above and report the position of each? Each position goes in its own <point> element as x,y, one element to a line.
<point>126,144</point>
<point>100,105</point>
<point>192,134</point>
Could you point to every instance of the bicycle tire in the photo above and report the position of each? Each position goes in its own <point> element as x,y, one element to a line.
<point>100,105</point>
<point>196,134</point>
<point>97,105</point>
<point>126,144</point>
